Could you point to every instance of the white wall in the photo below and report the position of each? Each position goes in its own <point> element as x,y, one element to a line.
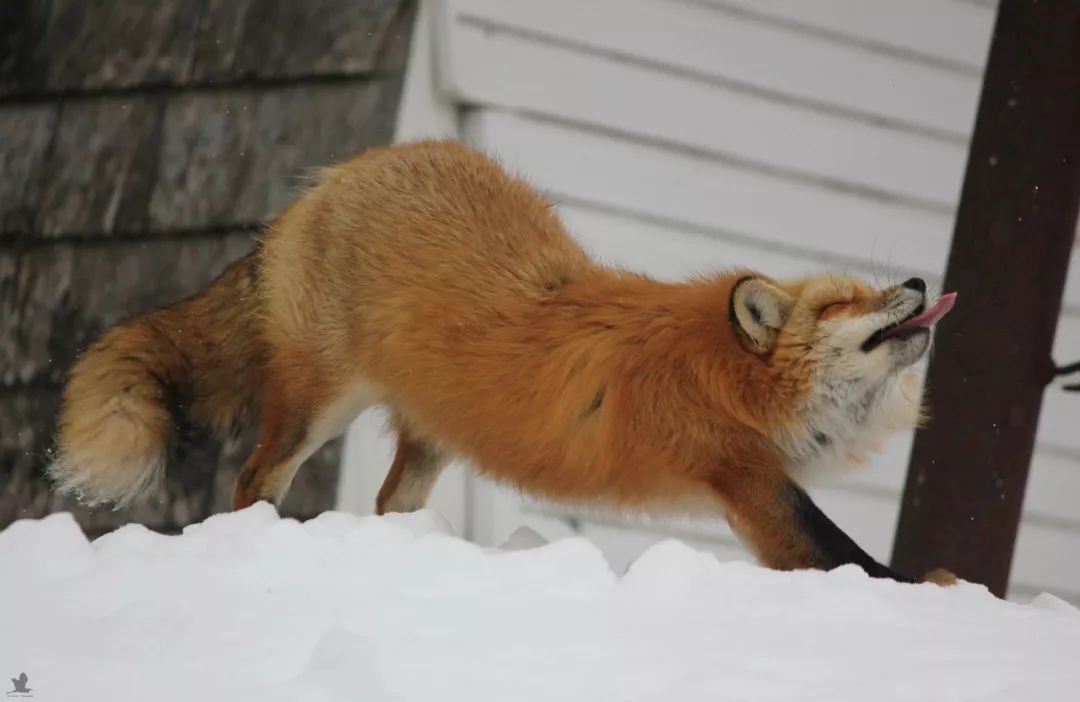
<point>787,135</point>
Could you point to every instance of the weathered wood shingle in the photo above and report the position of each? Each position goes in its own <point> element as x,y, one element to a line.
<point>219,40</point>
<point>69,45</point>
<point>27,133</point>
<point>238,156</point>
<point>57,299</point>
<point>285,39</point>
<point>22,26</point>
<point>66,46</point>
<point>102,167</point>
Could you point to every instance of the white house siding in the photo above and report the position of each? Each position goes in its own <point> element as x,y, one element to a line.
<point>792,136</point>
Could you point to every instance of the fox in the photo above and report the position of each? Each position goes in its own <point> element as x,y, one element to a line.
<point>426,278</point>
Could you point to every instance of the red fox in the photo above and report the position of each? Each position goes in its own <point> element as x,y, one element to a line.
<point>424,278</point>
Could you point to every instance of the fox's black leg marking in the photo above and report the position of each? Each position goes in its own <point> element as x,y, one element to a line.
<point>834,546</point>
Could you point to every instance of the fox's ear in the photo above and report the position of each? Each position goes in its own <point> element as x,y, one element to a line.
<point>759,310</point>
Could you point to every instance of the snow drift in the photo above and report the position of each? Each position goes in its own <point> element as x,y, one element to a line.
<point>247,606</point>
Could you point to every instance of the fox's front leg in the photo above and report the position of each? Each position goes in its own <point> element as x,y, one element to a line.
<point>778,521</point>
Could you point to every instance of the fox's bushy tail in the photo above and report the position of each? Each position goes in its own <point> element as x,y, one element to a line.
<point>200,358</point>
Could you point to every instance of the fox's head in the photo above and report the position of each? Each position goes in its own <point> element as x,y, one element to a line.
<point>849,348</point>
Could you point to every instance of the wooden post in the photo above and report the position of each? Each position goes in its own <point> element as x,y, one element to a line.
<point>1015,229</point>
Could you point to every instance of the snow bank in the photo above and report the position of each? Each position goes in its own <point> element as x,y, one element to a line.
<point>248,606</point>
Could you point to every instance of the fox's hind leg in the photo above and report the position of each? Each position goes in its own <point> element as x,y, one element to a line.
<point>298,416</point>
<point>282,445</point>
<point>269,470</point>
<point>417,465</point>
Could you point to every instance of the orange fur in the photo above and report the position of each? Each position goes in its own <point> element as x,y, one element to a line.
<point>424,278</point>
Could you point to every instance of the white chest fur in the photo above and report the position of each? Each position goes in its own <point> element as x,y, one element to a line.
<point>845,423</point>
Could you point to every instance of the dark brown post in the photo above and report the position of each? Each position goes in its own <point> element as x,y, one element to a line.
<point>1014,232</point>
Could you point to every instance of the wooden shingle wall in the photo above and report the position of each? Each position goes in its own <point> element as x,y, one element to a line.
<point>142,144</point>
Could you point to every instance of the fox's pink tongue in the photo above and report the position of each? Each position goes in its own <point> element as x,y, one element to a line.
<point>931,315</point>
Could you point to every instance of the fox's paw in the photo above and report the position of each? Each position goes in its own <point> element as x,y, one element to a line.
<point>940,576</point>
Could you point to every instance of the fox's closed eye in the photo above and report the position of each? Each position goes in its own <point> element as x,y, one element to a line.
<point>832,307</point>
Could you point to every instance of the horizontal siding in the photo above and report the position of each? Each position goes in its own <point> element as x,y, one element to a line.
<point>705,41</point>
<point>577,164</point>
<point>507,70</point>
<point>671,251</point>
<point>944,32</point>
<point>636,177</point>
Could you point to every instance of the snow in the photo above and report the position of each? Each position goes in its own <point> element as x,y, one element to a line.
<point>248,606</point>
